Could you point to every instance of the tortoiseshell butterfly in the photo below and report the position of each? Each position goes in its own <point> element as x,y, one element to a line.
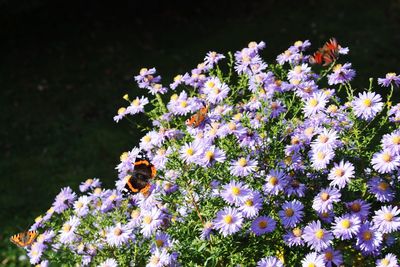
<point>138,179</point>
<point>198,118</point>
<point>326,54</point>
<point>24,239</point>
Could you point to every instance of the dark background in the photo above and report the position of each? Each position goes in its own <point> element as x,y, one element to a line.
<point>66,64</point>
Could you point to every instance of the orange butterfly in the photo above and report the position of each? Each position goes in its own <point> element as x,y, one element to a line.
<point>197,118</point>
<point>327,54</point>
<point>24,239</point>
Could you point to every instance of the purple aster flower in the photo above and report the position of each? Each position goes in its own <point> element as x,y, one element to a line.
<point>387,219</point>
<point>291,213</point>
<point>315,104</point>
<point>332,257</point>
<point>263,225</point>
<point>326,216</point>
<point>146,77</point>
<point>211,155</point>
<point>215,90</point>
<point>108,263</point>
<point>381,189</point>
<point>190,152</point>
<point>313,260</point>
<point>300,72</point>
<point>151,220</point>
<point>67,232</point>
<point>341,74</point>
<point>276,108</point>
<point>228,221</point>
<point>150,140</point>
<point>161,241</point>
<point>368,239</point>
<point>270,261</point>
<point>321,158</point>
<point>243,166</point>
<point>276,182</point>
<point>212,58</point>
<point>385,161</point>
<point>316,237</point>
<point>346,226</point>
<point>159,258</point>
<point>251,205</point>
<point>157,88</point>
<point>89,184</point>
<point>390,260</point>
<point>341,174</point>
<point>391,142</point>
<point>360,208</point>
<point>294,237</point>
<point>43,263</point>
<point>36,252</point>
<point>81,206</point>
<point>160,159</point>
<point>206,231</point>
<point>137,105</point>
<point>391,78</point>
<point>326,140</point>
<point>295,188</point>
<point>323,202</point>
<point>121,113</point>
<point>118,235</point>
<point>235,193</point>
<point>367,105</point>
<point>64,200</point>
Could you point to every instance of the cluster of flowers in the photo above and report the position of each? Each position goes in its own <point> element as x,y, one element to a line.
<point>278,165</point>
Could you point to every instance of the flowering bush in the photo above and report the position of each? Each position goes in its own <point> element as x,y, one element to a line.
<point>257,164</point>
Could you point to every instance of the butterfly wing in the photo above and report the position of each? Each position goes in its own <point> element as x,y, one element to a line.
<point>139,180</point>
<point>24,239</point>
<point>197,118</point>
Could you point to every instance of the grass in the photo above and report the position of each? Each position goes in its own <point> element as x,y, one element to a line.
<point>65,69</point>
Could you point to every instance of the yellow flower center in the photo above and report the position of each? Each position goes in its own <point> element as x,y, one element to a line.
<point>298,43</point>
<point>321,155</point>
<point>117,231</point>
<point>289,212</point>
<point>274,105</point>
<point>210,84</point>
<point>319,234</point>
<point>136,102</point>
<point>332,108</point>
<point>124,156</point>
<point>228,219</point>
<point>367,102</point>
<point>216,90</point>
<point>79,205</point>
<point>328,256</point>
<point>383,186</point>
<point>390,74</point>
<point>190,151</point>
<point>295,140</point>
<point>287,53</point>
<point>121,111</point>
<point>273,180</point>
<point>313,102</point>
<point>242,162</point>
<point>174,97</point>
<point>90,181</point>
<point>385,262</point>
<point>345,224</point>
<point>388,217</point>
<point>355,207</point>
<point>311,265</point>
<point>323,138</point>
<point>147,219</point>
<point>184,104</point>
<point>249,203</point>
<point>237,116</point>
<point>67,227</point>
<point>339,172</point>
<point>209,155</point>
<point>337,67</point>
<point>297,232</point>
<point>232,126</point>
<point>386,157</point>
<point>154,259</point>
<point>177,78</point>
<point>146,138</point>
<point>309,131</point>
<point>297,69</point>
<point>135,214</point>
<point>143,71</point>
<point>112,197</point>
<point>295,82</point>
<point>38,219</point>
<point>263,224</point>
<point>159,243</point>
<point>324,196</point>
<point>367,235</point>
<point>235,190</point>
<point>396,139</point>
